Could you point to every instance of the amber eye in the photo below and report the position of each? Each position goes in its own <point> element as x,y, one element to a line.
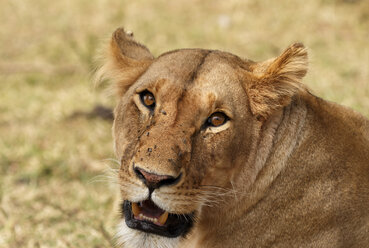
<point>148,99</point>
<point>217,119</point>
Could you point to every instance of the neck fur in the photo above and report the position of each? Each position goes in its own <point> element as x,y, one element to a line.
<point>277,140</point>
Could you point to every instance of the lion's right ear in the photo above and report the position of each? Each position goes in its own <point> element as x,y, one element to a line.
<point>124,61</point>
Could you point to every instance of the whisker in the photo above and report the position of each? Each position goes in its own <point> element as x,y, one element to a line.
<point>109,173</point>
<point>112,160</point>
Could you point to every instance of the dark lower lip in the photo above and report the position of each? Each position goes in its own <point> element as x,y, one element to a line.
<point>176,225</point>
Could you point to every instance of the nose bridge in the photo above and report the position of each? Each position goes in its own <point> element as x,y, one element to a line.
<point>163,151</point>
<point>176,109</point>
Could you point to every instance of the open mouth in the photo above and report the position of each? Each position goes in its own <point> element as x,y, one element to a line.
<point>147,217</point>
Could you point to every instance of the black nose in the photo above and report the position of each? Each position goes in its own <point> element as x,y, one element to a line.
<point>154,181</point>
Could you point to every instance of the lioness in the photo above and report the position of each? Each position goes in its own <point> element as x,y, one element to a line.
<point>220,151</point>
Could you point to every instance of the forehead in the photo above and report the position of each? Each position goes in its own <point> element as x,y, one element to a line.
<point>193,69</point>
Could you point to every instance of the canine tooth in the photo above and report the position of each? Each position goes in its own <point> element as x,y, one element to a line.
<point>135,209</point>
<point>140,216</point>
<point>155,220</point>
<point>163,218</point>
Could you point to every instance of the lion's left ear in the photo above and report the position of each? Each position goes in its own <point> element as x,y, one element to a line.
<point>273,83</point>
<point>124,61</point>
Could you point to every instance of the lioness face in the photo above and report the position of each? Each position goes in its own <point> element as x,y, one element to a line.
<point>174,133</point>
<point>175,129</point>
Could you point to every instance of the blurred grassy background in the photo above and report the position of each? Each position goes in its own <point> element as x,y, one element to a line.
<point>51,153</point>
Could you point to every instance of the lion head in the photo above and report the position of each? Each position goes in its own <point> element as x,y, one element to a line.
<point>185,123</point>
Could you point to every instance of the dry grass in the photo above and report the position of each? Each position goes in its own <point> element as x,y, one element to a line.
<point>49,193</point>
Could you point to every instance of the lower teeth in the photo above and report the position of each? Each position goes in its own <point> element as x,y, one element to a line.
<point>143,217</point>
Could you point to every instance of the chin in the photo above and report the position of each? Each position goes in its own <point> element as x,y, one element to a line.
<point>146,225</point>
<point>133,238</point>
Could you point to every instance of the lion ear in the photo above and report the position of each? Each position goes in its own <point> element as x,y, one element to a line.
<point>124,61</point>
<point>274,82</point>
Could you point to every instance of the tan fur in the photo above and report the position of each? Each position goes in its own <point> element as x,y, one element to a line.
<point>124,61</point>
<point>287,170</point>
<point>277,81</point>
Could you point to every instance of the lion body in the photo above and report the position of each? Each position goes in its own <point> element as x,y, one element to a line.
<point>287,169</point>
<point>319,198</point>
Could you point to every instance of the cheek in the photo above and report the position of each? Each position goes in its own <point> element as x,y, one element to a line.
<point>218,156</point>
<point>127,127</point>
<point>219,147</point>
<point>212,154</point>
